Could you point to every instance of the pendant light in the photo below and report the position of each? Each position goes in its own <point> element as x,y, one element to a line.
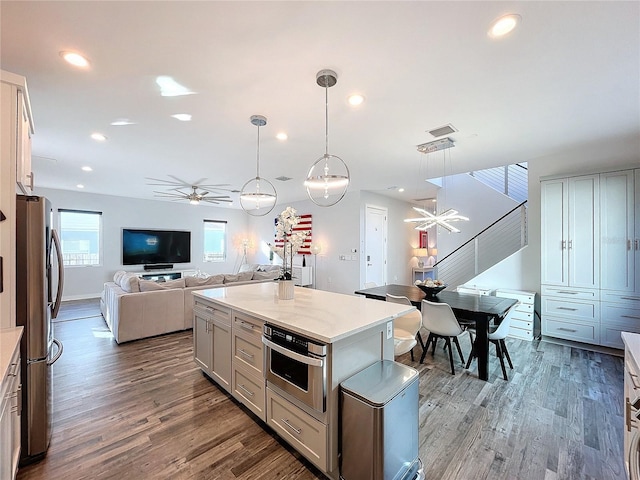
<point>328,177</point>
<point>258,196</point>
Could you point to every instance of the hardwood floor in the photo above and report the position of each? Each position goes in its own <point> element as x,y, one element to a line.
<point>143,410</point>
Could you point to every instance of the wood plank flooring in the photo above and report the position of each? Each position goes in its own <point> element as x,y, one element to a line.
<point>143,410</point>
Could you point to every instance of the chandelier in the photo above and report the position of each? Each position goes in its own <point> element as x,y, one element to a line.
<point>445,218</point>
<point>328,177</point>
<point>258,196</point>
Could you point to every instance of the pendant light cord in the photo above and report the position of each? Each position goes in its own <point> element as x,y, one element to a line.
<point>258,155</point>
<point>326,115</point>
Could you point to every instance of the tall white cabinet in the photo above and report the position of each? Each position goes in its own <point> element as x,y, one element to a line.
<point>590,257</point>
<point>16,128</point>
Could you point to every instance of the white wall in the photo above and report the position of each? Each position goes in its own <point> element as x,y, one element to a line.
<point>119,212</point>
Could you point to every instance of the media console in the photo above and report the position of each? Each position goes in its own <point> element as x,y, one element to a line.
<point>164,276</point>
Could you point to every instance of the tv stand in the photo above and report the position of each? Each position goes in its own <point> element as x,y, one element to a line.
<point>158,266</point>
<point>165,276</point>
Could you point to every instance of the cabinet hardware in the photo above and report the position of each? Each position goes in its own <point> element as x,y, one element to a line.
<point>297,430</point>
<point>627,413</point>
<point>633,378</point>
<point>628,244</point>
<point>246,354</point>
<point>563,244</point>
<point>567,308</point>
<point>637,243</point>
<point>570,244</point>
<point>562,329</point>
<point>635,317</point>
<point>245,325</point>
<point>246,390</point>
<point>30,181</point>
<point>631,298</point>
<point>14,370</point>
<point>567,293</point>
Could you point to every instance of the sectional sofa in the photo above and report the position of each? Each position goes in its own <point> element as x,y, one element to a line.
<point>134,308</point>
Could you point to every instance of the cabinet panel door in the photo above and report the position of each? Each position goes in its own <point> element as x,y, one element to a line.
<point>24,176</point>
<point>553,223</point>
<point>636,242</point>
<point>616,231</point>
<point>583,245</point>
<point>202,342</point>
<point>221,358</point>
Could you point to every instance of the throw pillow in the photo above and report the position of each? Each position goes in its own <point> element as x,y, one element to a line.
<point>118,276</point>
<point>230,278</point>
<point>150,285</point>
<point>199,282</point>
<point>130,283</point>
<point>245,276</point>
<point>248,267</point>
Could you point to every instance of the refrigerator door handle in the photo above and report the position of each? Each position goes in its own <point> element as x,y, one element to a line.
<point>60,349</point>
<point>56,242</point>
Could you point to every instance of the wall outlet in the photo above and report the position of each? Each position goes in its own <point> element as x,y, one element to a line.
<point>389,330</point>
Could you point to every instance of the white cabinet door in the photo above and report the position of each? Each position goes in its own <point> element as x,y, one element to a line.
<point>202,342</point>
<point>583,245</point>
<point>553,226</point>
<point>24,175</point>
<point>221,358</point>
<point>617,231</point>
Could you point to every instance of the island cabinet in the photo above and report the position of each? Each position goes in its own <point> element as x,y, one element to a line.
<point>10,401</point>
<point>631,401</point>
<point>356,331</point>
<point>212,341</point>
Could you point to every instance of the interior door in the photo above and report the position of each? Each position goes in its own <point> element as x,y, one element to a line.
<point>375,248</point>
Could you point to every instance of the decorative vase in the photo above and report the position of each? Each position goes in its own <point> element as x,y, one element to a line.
<point>285,289</point>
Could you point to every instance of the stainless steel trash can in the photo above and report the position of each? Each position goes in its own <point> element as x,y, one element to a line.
<point>379,424</point>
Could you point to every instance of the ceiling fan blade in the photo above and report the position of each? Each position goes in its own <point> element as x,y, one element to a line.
<point>161,182</point>
<point>182,182</point>
<point>198,182</point>
<point>168,194</point>
<point>216,200</point>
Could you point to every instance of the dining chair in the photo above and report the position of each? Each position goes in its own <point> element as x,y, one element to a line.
<point>441,322</point>
<point>405,328</point>
<point>370,284</point>
<point>497,338</point>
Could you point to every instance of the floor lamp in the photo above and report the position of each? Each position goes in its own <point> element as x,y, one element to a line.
<point>315,250</point>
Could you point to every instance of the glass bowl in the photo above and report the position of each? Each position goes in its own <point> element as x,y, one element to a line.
<point>432,291</point>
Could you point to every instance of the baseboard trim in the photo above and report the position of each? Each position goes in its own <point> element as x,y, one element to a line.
<point>89,296</point>
<point>584,346</point>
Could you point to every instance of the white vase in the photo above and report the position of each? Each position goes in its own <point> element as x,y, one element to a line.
<point>285,289</point>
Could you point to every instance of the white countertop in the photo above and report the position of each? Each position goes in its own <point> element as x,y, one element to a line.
<point>320,315</point>
<point>632,344</point>
<point>9,340</point>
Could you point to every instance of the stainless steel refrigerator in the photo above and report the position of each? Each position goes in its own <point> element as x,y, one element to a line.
<point>38,273</point>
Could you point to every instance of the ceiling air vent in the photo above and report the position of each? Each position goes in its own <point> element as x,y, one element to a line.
<point>282,178</point>
<point>447,129</point>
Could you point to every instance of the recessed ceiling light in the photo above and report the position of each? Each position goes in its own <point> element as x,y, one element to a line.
<point>355,99</point>
<point>75,59</point>
<point>401,189</point>
<point>80,185</point>
<point>170,88</point>
<point>282,136</point>
<point>98,137</point>
<point>87,169</point>
<point>504,25</point>
<point>183,117</point>
<point>122,121</point>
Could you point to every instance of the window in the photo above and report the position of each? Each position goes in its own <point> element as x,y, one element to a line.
<point>215,241</point>
<point>81,237</point>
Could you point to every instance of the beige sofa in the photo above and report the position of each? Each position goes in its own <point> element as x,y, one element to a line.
<point>134,308</point>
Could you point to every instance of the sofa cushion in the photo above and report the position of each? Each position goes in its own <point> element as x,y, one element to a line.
<point>266,275</point>
<point>118,276</point>
<point>248,267</point>
<point>150,285</point>
<point>130,283</point>
<point>199,282</point>
<point>269,268</point>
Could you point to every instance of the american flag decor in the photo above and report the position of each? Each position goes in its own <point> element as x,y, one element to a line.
<point>305,225</point>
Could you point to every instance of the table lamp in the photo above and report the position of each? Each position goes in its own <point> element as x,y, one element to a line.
<point>421,252</point>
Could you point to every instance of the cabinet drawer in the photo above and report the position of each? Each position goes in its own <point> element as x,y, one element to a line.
<point>526,298</point>
<point>620,315</point>
<point>302,431</point>
<point>522,316</point>
<point>212,312</point>
<point>246,352</point>
<point>523,324</point>
<point>248,327</point>
<point>631,300</point>
<point>570,293</point>
<point>250,391</point>
<point>580,332</point>
<point>524,308</point>
<point>610,335</point>
<point>571,309</point>
<point>517,332</point>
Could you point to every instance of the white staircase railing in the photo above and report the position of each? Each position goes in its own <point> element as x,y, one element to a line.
<point>512,180</point>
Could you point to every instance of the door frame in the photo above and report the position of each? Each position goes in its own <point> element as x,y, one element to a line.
<point>385,230</point>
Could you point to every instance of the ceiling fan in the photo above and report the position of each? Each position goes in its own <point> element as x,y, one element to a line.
<point>199,191</point>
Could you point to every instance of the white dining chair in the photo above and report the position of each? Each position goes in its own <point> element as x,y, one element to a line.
<point>497,338</point>
<point>441,322</point>
<point>405,328</point>
<point>370,284</point>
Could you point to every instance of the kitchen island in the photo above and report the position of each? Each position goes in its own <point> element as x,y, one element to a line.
<point>348,332</point>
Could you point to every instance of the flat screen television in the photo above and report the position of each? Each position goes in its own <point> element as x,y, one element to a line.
<point>150,247</point>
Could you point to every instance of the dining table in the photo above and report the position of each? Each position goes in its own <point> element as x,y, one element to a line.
<point>481,309</point>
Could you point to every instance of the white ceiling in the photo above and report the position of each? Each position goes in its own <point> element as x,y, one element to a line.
<point>569,75</point>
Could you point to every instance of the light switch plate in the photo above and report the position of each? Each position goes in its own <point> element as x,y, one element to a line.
<point>389,330</point>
